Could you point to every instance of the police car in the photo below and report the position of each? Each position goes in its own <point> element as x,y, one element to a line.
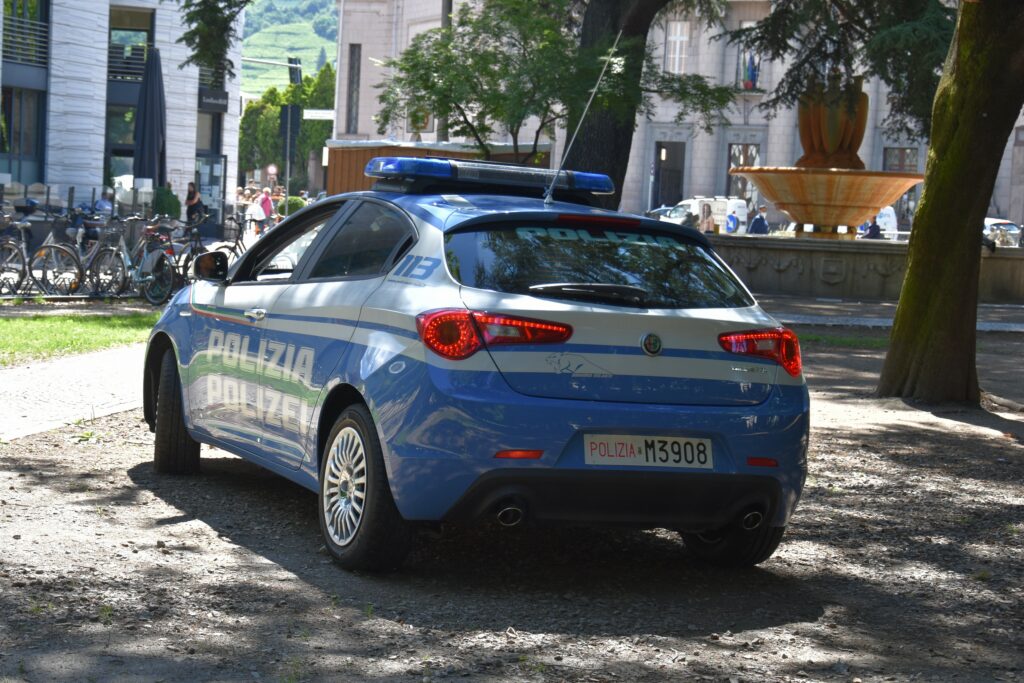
<point>458,345</point>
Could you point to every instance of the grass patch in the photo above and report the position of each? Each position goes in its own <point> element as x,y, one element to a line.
<point>46,336</point>
<point>843,341</point>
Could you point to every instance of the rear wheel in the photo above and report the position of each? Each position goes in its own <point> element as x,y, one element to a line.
<point>107,272</point>
<point>56,270</point>
<point>157,289</point>
<point>735,546</point>
<point>361,526</point>
<point>174,451</point>
<point>12,268</point>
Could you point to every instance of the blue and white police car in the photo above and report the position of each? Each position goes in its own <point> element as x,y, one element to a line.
<point>451,347</point>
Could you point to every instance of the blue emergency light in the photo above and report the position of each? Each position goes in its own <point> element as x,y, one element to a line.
<point>488,173</point>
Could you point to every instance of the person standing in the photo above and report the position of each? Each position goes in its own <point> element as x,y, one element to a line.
<point>268,210</point>
<point>759,226</point>
<point>194,208</point>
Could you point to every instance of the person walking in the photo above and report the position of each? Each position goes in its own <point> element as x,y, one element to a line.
<point>194,208</point>
<point>759,226</point>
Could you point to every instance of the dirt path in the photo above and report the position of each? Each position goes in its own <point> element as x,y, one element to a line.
<point>904,562</point>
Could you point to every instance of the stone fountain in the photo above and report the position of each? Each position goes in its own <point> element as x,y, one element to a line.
<point>828,185</point>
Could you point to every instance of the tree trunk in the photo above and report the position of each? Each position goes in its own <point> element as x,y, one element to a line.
<point>932,346</point>
<point>605,138</point>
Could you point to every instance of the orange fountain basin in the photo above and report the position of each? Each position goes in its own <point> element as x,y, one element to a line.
<point>828,196</point>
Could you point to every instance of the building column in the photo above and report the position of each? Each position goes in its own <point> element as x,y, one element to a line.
<point>76,107</point>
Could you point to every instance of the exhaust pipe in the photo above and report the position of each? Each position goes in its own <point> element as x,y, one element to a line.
<point>751,520</point>
<point>510,516</point>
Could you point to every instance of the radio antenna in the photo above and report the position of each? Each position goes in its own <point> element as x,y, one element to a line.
<point>568,148</point>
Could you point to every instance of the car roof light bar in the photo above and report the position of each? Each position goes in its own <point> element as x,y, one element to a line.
<point>486,173</point>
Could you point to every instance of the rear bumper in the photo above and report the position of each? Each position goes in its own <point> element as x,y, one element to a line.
<point>684,501</point>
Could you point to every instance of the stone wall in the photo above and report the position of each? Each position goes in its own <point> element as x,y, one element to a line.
<point>861,269</point>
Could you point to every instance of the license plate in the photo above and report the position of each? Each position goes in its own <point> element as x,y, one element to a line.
<point>647,451</point>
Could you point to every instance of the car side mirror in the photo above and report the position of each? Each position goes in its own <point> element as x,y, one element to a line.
<point>211,266</point>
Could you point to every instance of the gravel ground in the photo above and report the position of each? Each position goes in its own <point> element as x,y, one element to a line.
<point>904,562</point>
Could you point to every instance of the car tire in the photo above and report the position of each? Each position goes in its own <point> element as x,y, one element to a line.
<point>361,525</point>
<point>735,546</point>
<point>174,451</point>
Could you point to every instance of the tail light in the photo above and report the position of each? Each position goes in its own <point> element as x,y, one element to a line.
<point>778,344</point>
<point>456,334</point>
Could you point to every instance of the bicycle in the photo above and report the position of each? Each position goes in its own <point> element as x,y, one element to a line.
<point>234,243</point>
<point>53,269</point>
<point>101,263</point>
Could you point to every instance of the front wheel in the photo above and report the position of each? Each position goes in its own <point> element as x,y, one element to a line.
<point>174,451</point>
<point>735,546</point>
<point>361,526</point>
<point>56,270</point>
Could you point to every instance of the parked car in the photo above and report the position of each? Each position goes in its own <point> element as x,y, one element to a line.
<point>717,209</point>
<point>450,347</point>
<point>658,212</point>
<point>1002,233</point>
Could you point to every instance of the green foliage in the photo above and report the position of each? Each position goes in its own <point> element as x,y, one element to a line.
<point>260,141</point>
<point>501,63</point>
<point>294,204</point>
<point>211,32</point>
<point>903,43</point>
<point>166,202</point>
<point>321,59</point>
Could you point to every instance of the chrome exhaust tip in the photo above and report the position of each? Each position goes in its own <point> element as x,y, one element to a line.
<point>510,516</point>
<point>751,520</point>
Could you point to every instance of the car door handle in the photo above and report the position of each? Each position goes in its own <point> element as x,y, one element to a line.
<point>256,313</point>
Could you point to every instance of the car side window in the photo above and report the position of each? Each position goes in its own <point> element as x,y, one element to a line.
<point>364,243</point>
<point>275,257</point>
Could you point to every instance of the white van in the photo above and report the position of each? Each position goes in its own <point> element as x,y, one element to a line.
<point>719,208</point>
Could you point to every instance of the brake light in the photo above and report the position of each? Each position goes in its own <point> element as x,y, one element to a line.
<point>599,219</point>
<point>456,334</point>
<point>505,329</point>
<point>779,344</point>
<point>449,333</point>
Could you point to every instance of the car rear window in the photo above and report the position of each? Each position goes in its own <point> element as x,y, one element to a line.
<point>625,266</point>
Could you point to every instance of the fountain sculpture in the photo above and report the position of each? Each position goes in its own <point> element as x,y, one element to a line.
<point>828,185</point>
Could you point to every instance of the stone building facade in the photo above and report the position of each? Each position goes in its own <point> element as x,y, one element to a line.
<point>71,74</point>
<point>669,160</point>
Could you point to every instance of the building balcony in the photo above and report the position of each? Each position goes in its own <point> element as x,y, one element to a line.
<point>26,41</point>
<point>127,63</point>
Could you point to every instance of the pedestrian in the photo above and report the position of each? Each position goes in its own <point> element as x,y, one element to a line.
<point>732,223</point>
<point>194,208</point>
<point>759,226</point>
<point>267,205</point>
<point>874,231</point>
<point>707,220</point>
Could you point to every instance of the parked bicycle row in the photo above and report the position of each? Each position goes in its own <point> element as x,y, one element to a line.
<point>89,254</point>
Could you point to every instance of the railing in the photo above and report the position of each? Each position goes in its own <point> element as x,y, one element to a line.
<point>127,62</point>
<point>26,41</point>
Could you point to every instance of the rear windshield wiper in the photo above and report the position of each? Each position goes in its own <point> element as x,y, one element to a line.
<point>592,290</point>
